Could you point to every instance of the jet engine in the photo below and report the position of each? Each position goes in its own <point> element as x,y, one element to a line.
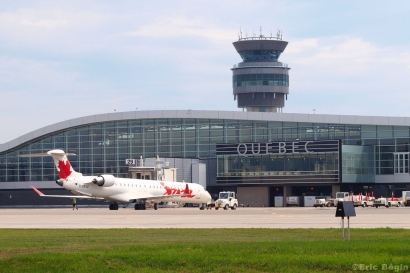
<point>104,180</point>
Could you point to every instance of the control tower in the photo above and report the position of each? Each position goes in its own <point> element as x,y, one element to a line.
<point>260,82</point>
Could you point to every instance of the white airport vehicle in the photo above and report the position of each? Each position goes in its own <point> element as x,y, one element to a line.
<point>322,202</point>
<point>340,196</point>
<point>380,202</point>
<point>394,201</point>
<point>292,201</point>
<point>363,203</point>
<point>405,198</point>
<point>358,200</point>
<point>387,202</point>
<point>122,190</point>
<point>362,200</point>
<point>226,200</point>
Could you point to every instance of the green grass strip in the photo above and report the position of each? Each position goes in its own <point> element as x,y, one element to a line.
<point>204,250</point>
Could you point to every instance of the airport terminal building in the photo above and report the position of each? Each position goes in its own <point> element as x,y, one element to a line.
<point>258,152</point>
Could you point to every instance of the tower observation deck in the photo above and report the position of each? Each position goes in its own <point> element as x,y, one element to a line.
<point>260,81</point>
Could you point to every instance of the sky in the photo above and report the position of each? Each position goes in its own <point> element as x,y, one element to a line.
<point>61,60</point>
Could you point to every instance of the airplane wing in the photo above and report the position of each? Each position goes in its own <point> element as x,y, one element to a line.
<point>64,196</point>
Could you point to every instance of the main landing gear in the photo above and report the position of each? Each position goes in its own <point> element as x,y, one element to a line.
<point>113,206</point>
<point>139,206</point>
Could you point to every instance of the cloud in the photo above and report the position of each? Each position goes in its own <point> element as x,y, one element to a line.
<point>340,73</point>
<point>346,55</point>
<point>180,28</point>
<point>56,29</point>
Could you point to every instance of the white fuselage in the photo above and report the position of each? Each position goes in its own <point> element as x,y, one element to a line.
<point>126,190</point>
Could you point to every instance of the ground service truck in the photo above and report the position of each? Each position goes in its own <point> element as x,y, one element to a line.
<point>405,198</point>
<point>226,200</point>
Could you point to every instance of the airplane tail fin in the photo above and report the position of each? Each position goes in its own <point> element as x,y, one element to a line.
<point>63,166</point>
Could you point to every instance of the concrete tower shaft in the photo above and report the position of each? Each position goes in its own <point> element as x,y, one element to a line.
<point>260,81</point>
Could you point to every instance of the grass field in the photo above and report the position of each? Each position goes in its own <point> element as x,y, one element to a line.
<point>204,250</point>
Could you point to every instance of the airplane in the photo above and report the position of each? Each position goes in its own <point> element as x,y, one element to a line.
<point>121,190</point>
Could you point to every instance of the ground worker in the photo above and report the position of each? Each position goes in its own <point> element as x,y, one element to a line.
<point>75,204</point>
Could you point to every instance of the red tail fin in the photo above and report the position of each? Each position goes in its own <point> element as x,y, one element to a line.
<point>62,164</point>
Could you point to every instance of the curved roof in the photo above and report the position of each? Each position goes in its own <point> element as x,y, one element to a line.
<point>204,114</point>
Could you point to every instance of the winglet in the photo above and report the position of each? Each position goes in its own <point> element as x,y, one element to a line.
<point>37,191</point>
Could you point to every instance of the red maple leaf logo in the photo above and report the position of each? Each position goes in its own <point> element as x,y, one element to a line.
<point>64,169</point>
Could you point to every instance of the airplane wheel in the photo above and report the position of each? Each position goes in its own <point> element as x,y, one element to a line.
<point>115,206</point>
<point>110,207</point>
<point>136,206</point>
<point>155,206</point>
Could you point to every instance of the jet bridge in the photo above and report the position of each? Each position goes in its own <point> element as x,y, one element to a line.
<point>161,171</point>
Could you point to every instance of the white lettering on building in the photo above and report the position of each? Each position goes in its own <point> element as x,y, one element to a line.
<point>259,149</point>
<point>239,151</point>
<point>306,144</point>
<point>282,147</point>
<point>295,147</point>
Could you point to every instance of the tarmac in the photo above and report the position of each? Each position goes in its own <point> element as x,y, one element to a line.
<point>265,217</point>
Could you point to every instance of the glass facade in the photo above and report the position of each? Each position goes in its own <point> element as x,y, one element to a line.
<point>357,163</point>
<point>252,55</point>
<point>260,80</point>
<point>282,168</point>
<point>103,147</point>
